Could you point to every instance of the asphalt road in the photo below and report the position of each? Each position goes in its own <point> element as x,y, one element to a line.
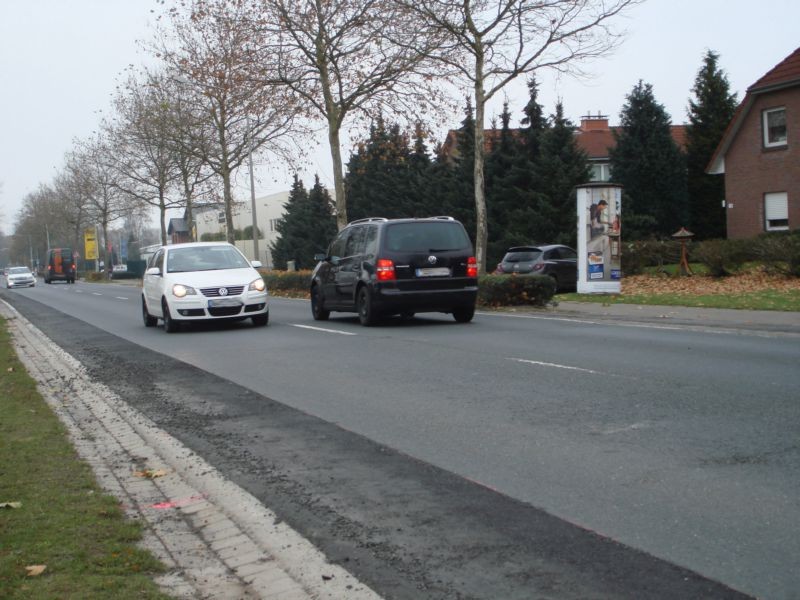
<point>434,456</point>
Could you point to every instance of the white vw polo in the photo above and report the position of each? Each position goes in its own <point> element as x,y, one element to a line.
<point>202,281</point>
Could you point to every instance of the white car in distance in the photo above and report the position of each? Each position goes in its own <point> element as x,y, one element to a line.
<point>202,281</point>
<point>19,277</point>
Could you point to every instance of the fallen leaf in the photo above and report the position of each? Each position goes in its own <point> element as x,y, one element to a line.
<point>10,369</point>
<point>35,570</point>
<point>150,474</point>
<point>10,504</point>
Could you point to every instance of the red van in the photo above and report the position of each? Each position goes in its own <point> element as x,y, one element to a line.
<point>60,265</point>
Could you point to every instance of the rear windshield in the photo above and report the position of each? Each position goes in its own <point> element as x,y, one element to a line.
<point>526,256</point>
<point>208,258</point>
<point>64,253</point>
<point>18,270</point>
<point>426,237</point>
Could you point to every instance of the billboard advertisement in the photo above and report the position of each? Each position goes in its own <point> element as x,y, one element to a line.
<point>90,244</point>
<point>599,207</point>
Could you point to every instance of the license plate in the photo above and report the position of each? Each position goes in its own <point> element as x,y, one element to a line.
<point>218,302</point>
<point>434,272</point>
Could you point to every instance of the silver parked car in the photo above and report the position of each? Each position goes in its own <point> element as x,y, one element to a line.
<point>556,261</point>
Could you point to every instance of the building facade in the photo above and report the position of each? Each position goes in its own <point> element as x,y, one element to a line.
<point>759,155</point>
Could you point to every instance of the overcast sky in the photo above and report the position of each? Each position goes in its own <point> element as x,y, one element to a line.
<point>60,61</point>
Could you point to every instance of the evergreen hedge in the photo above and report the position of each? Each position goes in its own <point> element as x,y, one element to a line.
<point>493,290</point>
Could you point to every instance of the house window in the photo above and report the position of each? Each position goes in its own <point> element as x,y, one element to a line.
<point>776,211</point>
<point>774,124</point>
<point>273,224</point>
<point>221,217</point>
<point>599,172</point>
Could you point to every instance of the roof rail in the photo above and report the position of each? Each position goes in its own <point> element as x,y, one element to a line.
<point>368,220</point>
<point>443,217</point>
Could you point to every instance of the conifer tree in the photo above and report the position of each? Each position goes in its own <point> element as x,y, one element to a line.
<point>650,166</point>
<point>710,112</point>
<point>562,166</point>
<point>308,225</point>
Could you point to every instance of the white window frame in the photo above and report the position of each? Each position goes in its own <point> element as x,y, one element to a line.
<point>776,208</point>
<point>765,127</point>
<point>605,171</point>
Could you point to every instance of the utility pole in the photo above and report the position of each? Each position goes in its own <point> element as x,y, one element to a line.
<point>253,206</point>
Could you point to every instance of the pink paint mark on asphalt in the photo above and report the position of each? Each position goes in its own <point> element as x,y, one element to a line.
<point>178,503</point>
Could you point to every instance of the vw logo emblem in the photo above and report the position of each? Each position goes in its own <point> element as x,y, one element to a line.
<point>432,260</point>
<point>223,291</point>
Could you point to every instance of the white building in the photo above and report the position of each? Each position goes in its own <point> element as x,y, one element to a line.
<point>269,211</point>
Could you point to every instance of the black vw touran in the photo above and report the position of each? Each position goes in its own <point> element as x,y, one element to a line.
<point>379,267</point>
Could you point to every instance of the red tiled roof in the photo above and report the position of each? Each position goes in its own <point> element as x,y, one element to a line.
<point>595,142</point>
<point>785,72</point>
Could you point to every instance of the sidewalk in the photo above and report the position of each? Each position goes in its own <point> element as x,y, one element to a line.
<point>216,540</point>
<point>748,320</point>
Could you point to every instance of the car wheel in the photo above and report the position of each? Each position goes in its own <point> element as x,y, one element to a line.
<point>170,324</point>
<point>261,320</point>
<point>364,303</point>
<point>464,314</point>
<point>407,315</point>
<point>149,320</point>
<point>318,305</point>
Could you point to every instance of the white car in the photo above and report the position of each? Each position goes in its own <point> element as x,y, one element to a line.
<point>19,277</point>
<point>202,281</point>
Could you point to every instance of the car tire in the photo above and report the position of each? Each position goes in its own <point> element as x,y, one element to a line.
<point>407,315</point>
<point>464,314</point>
<point>261,320</point>
<point>149,320</point>
<point>366,314</point>
<point>318,305</point>
<point>170,324</point>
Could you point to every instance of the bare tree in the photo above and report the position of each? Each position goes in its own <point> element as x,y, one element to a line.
<point>350,56</point>
<point>492,42</point>
<point>142,153</point>
<point>107,201</point>
<point>211,55</point>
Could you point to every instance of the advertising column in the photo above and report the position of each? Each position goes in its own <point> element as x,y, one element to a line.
<point>599,242</point>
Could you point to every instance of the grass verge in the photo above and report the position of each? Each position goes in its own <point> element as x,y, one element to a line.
<point>756,300</point>
<point>63,521</point>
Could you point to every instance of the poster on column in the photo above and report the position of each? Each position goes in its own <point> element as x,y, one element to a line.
<point>599,207</point>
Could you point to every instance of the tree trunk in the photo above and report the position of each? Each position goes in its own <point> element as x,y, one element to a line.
<point>482,233</point>
<point>162,209</point>
<point>338,176</point>
<point>228,196</point>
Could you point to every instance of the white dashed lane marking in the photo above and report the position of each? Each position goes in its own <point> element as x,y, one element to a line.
<point>322,329</point>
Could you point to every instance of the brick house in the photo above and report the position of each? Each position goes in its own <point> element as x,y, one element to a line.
<point>594,136</point>
<point>760,155</point>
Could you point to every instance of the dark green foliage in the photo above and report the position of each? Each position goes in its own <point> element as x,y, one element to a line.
<point>515,290</point>
<point>307,227</point>
<point>721,257</point>
<point>238,234</point>
<point>650,166</point>
<point>562,166</point>
<point>779,252</point>
<point>289,283</point>
<point>636,256</point>
<point>709,115</point>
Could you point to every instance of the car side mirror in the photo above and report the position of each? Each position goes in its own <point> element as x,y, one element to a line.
<point>256,264</point>
<point>153,271</point>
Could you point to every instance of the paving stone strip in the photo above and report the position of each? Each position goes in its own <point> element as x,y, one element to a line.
<point>216,540</point>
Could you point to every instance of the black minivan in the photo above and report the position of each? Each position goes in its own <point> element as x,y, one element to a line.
<point>377,267</point>
<point>60,265</point>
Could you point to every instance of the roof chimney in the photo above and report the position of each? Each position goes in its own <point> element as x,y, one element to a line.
<point>598,122</point>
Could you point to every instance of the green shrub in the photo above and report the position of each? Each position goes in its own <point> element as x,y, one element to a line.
<point>779,252</point>
<point>96,276</point>
<point>636,256</point>
<point>295,283</point>
<point>721,257</point>
<point>515,290</point>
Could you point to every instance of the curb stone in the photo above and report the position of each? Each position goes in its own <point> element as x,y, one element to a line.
<point>215,539</point>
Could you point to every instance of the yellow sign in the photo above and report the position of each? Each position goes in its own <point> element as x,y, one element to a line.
<point>90,244</point>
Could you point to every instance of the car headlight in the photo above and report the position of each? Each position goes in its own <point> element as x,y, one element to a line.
<point>179,291</point>
<point>257,285</point>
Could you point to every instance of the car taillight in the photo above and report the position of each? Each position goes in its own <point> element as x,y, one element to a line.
<point>538,266</point>
<point>49,267</point>
<point>385,270</point>
<point>472,267</point>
